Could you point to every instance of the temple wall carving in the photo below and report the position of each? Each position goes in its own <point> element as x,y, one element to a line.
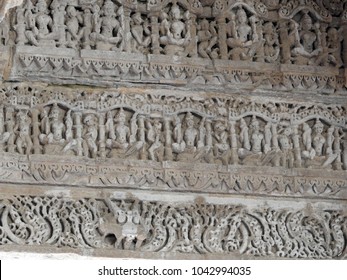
<point>237,110</point>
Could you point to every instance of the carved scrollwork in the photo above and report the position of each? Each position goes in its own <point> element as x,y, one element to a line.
<point>141,226</point>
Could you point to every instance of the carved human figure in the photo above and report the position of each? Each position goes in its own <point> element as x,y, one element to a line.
<point>287,157</point>
<point>108,31</point>
<point>90,136</point>
<point>221,147</point>
<point>308,152</point>
<point>207,38</point>
<point>244,40</point>
<point>141,34</point>
<point>74,32</point>
<point>318,138</point>
<point>332,52</point>
<point>52,131</point>
<point>271,44</point>
<point>309,47</point>
<point>58,27</point>
<point>155,140</point>
<point>175,32</point>
<point>119,135</point>
<point>178,145</point>
<point>40,25</point>
<point>244,135</point>
<point>24,143</point>
<point>257,138</point>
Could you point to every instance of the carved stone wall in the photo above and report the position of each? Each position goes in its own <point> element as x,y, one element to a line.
<point>202,129</point>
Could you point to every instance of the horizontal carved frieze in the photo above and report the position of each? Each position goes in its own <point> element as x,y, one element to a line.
<point>132,225</point>
<point>171,176</point>
<point>263,44</point>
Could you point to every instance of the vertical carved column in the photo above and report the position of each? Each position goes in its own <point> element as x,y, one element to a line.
<point>193,44</point>
<point>78,130</point>
<point>168,135</point>
<point>102,142</point>
<point>222,38</point>
<point>155,34</point>
<point>127,34</point>
<point>276,160</point>
<point>233,142</point>
<point>344,153</point>
<point>337,149</point>
<point>284,45</point>
<point>296,144</point>
<point>9,122</point>
<point>141,123</point>
<point>36,130</point>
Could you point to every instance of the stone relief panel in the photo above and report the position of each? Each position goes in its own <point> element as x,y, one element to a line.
<point>117,40</point>
<point>89,136</point>
<point>151,226</point>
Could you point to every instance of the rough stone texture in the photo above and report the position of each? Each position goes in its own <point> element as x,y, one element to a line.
<point>184,129</point>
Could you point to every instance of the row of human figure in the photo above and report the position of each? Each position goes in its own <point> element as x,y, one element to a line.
<point>188,137</point>
<point>242,36</point>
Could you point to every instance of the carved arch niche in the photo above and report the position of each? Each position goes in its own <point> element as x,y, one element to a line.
<point>173,26</point>
<point>240,30</point>
<point>308,37</point>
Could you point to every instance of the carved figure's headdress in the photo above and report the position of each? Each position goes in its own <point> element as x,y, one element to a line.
<point>318,124</point>
<point>120,115</point>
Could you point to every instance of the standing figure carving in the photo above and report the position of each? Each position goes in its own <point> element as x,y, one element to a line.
<point>141,34</point>
<point>24,143</point>
<point>207,39</point>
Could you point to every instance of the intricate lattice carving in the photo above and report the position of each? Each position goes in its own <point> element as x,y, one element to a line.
<point>159,227</point>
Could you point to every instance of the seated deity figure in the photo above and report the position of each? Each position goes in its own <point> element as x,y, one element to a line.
<point>108,30</point>
<point>175,32</point>
<point>90,136</point>
<point>52,131</point>
<point>244,41</point>
<point>141,35</point>
<point>309,47</point>
<point>323,154</point>
<point>191,147</point>
<point>119,133</point>
<point>207,38</point>
<point>24,143</point>
<point>40,26</point>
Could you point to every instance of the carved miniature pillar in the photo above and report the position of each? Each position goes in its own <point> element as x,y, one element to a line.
<point>222,38</point>
<point>193,44</point>
<point>142,138</point>
<point>284,46</point>
<point>337,149</point>
<point>9,122</point>
<point>344,153</point>
<point>102,130</point>
<point>168,137</point>
<point>233,142</point>
<point>36,130</point>
<point>296,144</point>
<point>155,34</point>
<point>20,26</point>
<point>127,34</point>
<point>78,130</point>
<point>275,146</point>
